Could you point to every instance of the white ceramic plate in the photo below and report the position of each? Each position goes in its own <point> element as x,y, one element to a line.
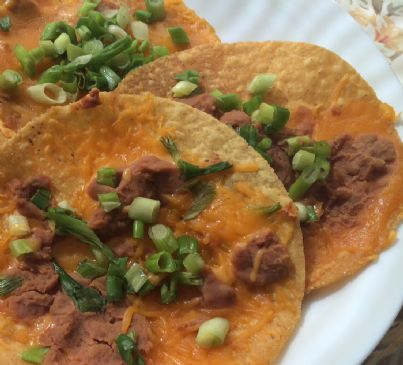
<point>343,325</point>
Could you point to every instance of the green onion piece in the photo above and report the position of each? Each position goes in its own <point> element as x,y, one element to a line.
<point>178,35</point>
<point>265,143</point>
<point>163,238</point>
<point>159,51</point>
<point>212,333</point>
<point>193,263</point>
<point>123,16</point>
<point>86,299</point>
<point>20,247</point>
<point>120,62</point>
<point>148,287</point>
<point>115,279</point>
<point>144,209</point>
<point>9,80</point>
<point>112,78</point>
<point>171,147</point>
<point>79,229</point>
<point>34,355</point>
<point>143,16</point>
<point>280,118</point>
<point>216,93</point>
<point>25,59</point>
<point>187,278</point>
<point>5,24</point>
<point>228,102</point>
<point>93,46</point>
<point>84,33</point>
<point>87,6</point>
<point>189,75</point>
<point>95,22</point>
<point>73,52</point>
<point>128,351</point>
<point>269,210</point>
<point>53,30</point>
<point>161,262</point>
<point>190,171</point>
<point>107,176</point>
<point>302,160</point>
<point>134,48</point>
<point>48,48</point>
<point>100,258</point>
<point>52,75</point>
<point>109,201</point>
<point>261,84</point>
<point>69,83</point>
<point>302,211</point>
<point>37,54</point>
<point>251,105</point>
<point>204,193</point>
<point>304,181</point>
<point>138,229</point>
<point>169,292</point>
<point>249,133</point>
<point>40,94</point>
<point>117,31</point>
<point>9,283</point>
<point>297,143</point>
<point>64,204</point>
<point>311,214</point>
<point>136,277</point>
<point>18,225</point>
<point>111,51</point>
<point>263,115</point>
<point>61,43</point>
<point>187,245</point>
<point>90,269</point>
<point>156,8</point>
<point>322,149</point>
<point>77,64</point>
<point>93,79</point>
<point>144,46</point>
<point>139,30</point>
<point>183,88</point>
<point>324,168</point>
<point>41,198</point>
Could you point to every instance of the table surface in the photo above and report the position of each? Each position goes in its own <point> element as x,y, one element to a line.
<point>383,21</point>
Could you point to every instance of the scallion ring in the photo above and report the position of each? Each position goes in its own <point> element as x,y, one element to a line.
<point>40,93</point>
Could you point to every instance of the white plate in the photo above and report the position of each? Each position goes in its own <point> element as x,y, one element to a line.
<point>341,326</point>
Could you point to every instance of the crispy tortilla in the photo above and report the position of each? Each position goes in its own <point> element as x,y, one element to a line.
<point>339,100</point>
<point>69,143</point>
<point>29,18</point>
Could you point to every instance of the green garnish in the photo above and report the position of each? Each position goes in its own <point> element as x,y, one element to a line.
<point>42,198</point>
<point>87,6</point>
<point>178,35</point>
<point>138,229</point>
<point>212,332</point>
<point>136,278</point>
<point>261,84</point>
<point>163,238</point>
<point>90,269</point>
<point>187,244</point>
<point>169,291</point>
<point>115,279</point>
<point>250,134</point>
<point>5,24</point>
<point>144,209</point>
<point>156,8</point>
<point>107,176</point>
<point>189,75</point>
<point>21,247</point>
<point>9,80</point>
<point>302,160</point>
<point>193,263</point>
<point>25,59</point>
<point>9,283</point>
<point>34,355</point>
<point>109,201</point>
<point>270,209</point>
<point>227,102</point>
<point>204,193</point>
<point>143,16</point>
<point>161,262</point>
<point>128,350</point>
<point>251,105</point>
<point>183,88</point>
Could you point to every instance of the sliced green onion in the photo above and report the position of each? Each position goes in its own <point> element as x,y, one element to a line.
<point>146,288</point>
<point>263,115</point>
<point>304,181</point>
<point>93,46</point>
<point>143,16</point>
<point>193,263</point>
<point>228,102</point>
<point>163,238</point>
<point>34,355</point>
<point>324,168</point>
<point>111,77</point>
<point>41,198</point>
<point>187,245</point>
<point>53,30</point>
<point>40,92</point>
<point>280,118</point>
<point>169,292</point>
<point>73,52</point>
<point>302,212</point>
<point>171,147</point>
<point>123,16</point>
<point>311,214</point>
<point>87,6</point>
<point>190,171</point>
<point>5,24</point>
<point>107,176</point>
<point>9,283</point>
<point>109,201</point>
<point>138,229</point>
<point>61,43</point>
<point>189,75</point>
<point>187,278</point>
<point>322,149</point>
<point>178,35</point>
<point>117,31</point>
<point>212,333</point>
<point>127,349</point>
<point>270,209</point>
<point>261,84</point>
<point>115,279</point>
<point>183,88</point>
<point>37,54</point>
<point>9,80</point>
<point>84,33</point>
<point>249,133</point>
<point>298,142</point>
<point>69,83</point>
<point>139,30</point>
<point>48,48</point>
<point>251,105</point>
<point>156,8</point>
<point>100,257</point>
<point>265,143</point>
<point>120,62</point>
<point>21,247</point>
<point>144,46</point>
<point>161,262</point>
<point>64,204</point>
<point>51,75</point>
<point>90,269</point>
<point>95,22</point>
<point>159,51</point>
<point>136,277</point>
<point>25,59</point>
<point>204,193</point>
<point>18,225</point>
<point>111,51</point>
<point>144,209</point>
<point>134,48</point>
<point>302,160</point>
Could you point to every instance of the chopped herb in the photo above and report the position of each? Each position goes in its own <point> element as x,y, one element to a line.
<point>163,238</point>
<point>161,262</point>
<point>212,332</point>
<point>143,16</point>
<point>204,193</point>
<point>128,350</point>
<point>9,284</point>
<point>138,229</point>
<point>5,23</point>
<point>191,76</point>
<point>34,355</point>
<point>311,214</point>
<point>250,134</point>
<point>144,209</point>
<point>115,279</point>
<point>42,199</point>
<point>90,269</point>
<point>109,201</point>
<point>178,35</point>
<point>156,8</point>
<point>187,244</point>
<point>169,292</point>
<point>269,210</point>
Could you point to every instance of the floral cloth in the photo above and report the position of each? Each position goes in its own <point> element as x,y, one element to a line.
<point>383,20</point>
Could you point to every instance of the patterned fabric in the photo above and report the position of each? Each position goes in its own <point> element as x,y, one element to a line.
<point>383,20</point>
